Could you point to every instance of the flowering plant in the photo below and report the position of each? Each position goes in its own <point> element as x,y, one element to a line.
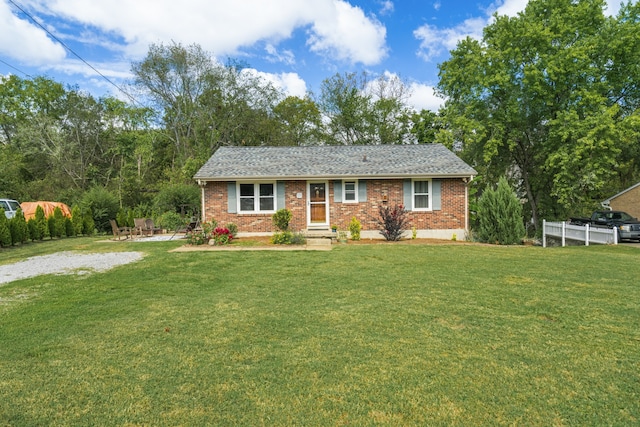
<point>221,236</point>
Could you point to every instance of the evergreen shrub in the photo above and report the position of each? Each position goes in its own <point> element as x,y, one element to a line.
<point>5,233</point>
<point>500,216</point>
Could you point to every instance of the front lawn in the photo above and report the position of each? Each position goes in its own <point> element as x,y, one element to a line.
<point>360,335</point>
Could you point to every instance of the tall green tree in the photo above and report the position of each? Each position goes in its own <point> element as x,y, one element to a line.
<point>543,98</point>
<point>358,110</point>
<point>300,121</point>
<point>203,104</point>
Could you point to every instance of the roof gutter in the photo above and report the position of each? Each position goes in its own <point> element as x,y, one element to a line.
<point>465,177</point>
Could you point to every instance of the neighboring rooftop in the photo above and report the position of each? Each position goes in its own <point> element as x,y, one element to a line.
<point>356,161</point>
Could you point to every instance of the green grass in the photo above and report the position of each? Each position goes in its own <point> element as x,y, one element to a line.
<point>361,335</point>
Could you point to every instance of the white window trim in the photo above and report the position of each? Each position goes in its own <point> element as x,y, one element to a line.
<point>429,194</point>
<point>344,191</point>
<point>256,201</point>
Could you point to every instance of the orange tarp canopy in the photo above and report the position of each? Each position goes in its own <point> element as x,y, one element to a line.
<point>29,209</point>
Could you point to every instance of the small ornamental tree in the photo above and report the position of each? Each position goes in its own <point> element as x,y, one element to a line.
<point>500,216</point>
<point>5,233</point>
<point>51,226</point>
<point>56,227</point>
<point>76,220</point>
<point>88,224</point>
<point>354,228</point>
<point>18,228</point>
<point>392,222</point>
<point>41,223</point>
<point>32,226</point>
<point>68,227</point>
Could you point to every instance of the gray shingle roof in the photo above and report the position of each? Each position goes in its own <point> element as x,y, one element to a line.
<point>356,161</point>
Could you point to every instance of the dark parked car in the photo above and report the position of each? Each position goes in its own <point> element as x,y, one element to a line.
<point>627,226</point>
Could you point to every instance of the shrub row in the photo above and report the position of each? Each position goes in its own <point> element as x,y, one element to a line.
<point>18,230</point>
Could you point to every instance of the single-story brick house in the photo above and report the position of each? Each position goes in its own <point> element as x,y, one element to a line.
<point>328,185</point>
<point>627,200</point>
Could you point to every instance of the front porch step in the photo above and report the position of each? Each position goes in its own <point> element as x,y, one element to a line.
<point>320,234</point>
<point>318,241</point>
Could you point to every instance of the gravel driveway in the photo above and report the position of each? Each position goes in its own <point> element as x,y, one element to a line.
<point>65,263</point>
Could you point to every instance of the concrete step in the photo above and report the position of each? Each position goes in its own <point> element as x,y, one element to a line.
<point>314,241</point>
<point>320,234</point>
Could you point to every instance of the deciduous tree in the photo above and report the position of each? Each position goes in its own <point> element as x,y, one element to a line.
<point>544,97</point>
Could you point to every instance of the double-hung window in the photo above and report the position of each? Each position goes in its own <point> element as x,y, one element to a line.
<point>422,195</point>
<point>259,197</point>
<point>350,192</point>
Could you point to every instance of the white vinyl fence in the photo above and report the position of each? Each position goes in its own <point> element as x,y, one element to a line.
<point>581,233</point>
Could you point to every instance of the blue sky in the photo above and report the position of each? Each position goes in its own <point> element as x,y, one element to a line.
<point>293,43</point>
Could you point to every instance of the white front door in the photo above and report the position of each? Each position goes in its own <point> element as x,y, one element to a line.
<point>317,205</point>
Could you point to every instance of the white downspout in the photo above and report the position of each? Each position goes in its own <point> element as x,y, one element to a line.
<point>466,181</point>
<point>202,185</point>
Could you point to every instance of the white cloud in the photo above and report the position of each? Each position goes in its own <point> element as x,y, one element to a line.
<point>508,7</point>
<point>423,97</point>
<point>290,83</point>
<point>335,28</point>
<point>437,5</point>
<point>284,56</point>
<point>434,41</point>
<point>115,70</point>
<point>21,40</point>
<point>613,7</point>
<point>387,7</point>
<point>417,95</point>
<point>346,34</point>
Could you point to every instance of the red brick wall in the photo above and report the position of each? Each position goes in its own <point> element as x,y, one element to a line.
<point>451,216</point>
<point>628,202</point>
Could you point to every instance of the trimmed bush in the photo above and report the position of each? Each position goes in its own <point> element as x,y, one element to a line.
<point>18,228</point>
<point>68,227</point>
<point>76,220</point>
<point>281,219</point>
<point>88,225</point>
<point>5,233</point>
<point>41,223</point>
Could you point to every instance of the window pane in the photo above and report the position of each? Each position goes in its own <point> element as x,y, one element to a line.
<point>246,204</point>
<point>266,190</point>
<point>350,191</point>
<point>421,187</point>
<point>421,201</point>
<point>266,203</point>
<point>246,190</point>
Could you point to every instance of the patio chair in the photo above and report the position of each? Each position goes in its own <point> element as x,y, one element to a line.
<point>151,226</point>
<point>119,231</point>
<point>140,227</point>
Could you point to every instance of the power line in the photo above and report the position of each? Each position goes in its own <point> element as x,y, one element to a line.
<point>73,52</point>
<point>17,69</point>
